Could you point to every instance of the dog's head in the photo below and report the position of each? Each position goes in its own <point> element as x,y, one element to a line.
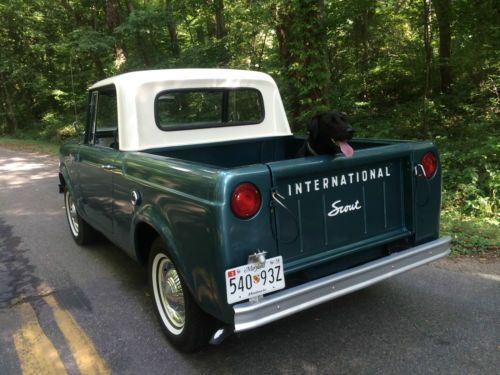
<point>329,133</point>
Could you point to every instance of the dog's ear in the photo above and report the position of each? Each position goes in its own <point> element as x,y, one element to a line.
<point>313,127</point>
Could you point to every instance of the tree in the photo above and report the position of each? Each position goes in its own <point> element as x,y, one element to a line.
<point>172,28</point>
<point>443,15</point>
<point>301,34</point>
<point>364,57</point>
<point>428,60</point>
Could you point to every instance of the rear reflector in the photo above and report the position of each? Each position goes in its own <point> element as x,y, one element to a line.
<point>429,162</point>
<point>245,200</point>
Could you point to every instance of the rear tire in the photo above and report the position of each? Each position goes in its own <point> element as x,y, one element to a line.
<point>82,233</point>
<point>186,326</point>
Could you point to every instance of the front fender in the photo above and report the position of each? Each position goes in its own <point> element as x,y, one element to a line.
<point>67,184</point>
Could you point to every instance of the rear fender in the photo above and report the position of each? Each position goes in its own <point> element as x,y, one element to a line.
<point>151,216</point>
<point>199,287</point>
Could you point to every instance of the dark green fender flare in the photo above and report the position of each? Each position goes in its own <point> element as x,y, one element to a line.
<point>151,216</point>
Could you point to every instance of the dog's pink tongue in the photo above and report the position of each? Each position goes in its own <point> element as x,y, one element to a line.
<point>346,149</point>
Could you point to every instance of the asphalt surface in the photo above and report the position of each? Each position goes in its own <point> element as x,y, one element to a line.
<point>90,307</point>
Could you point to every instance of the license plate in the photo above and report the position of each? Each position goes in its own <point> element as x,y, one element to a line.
<point>253,280</point>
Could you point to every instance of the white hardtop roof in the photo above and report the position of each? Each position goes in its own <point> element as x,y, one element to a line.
<point>136,93</point>
<point>135,79</point>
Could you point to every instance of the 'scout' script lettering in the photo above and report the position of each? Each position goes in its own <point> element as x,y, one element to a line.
<point>338,208</point>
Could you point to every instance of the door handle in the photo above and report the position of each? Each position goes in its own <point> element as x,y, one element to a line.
<point>109,167</point>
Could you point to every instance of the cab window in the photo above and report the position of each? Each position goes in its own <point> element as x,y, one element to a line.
<point>206,108</point>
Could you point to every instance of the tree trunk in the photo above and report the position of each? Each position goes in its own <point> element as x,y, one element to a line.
<point>427,44</point>
<point>172,28</point>
<point>361,31</point>
<point>140,43</point>
<point>283,18</point>
<point>301,34</point>
<point>314,45</point>
<point>282,35</point>
<point>220,31</point>
<point>220,25</point>
<point>130,7</point>
<point>428,61</point>
<point>443,15</point>
<point>113,20</point>
<point>112,15</point>
<point>10,115</point>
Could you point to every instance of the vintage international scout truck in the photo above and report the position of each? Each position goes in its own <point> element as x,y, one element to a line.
<point>195,174</point>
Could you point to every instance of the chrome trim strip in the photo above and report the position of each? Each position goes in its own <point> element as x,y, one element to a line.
<point>290,301</point>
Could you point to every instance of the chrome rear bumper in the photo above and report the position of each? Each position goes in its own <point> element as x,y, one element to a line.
<point>249,315</point>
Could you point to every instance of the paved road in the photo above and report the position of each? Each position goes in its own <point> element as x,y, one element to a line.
<point>66,309</point>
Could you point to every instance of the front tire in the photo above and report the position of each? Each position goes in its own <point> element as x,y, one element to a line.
<point>186,326</point>
<point>82,233</point>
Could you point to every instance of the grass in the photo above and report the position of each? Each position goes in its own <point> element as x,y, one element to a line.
<point>472,236</point>
<point>29,145</point>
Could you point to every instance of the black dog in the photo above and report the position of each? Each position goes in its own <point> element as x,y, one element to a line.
<point>328,134</point>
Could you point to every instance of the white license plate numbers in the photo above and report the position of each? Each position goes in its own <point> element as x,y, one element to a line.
<point>252,280</point>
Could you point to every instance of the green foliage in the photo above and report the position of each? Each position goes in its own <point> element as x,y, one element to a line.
<point>472,180</point>
<point>468,138</point>
<point>56,129</point>
<point>470,235</point>
<point>29,144</point>
<point>363,57</point>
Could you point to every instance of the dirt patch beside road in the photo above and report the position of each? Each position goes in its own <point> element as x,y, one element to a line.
<point>37,147</point>
<point>477,266</point>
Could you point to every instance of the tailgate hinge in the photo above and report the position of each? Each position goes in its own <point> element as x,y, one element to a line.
<point>275,198</point>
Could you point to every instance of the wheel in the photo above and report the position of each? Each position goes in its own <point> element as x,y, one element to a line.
<point>82,233</point>
<point>186,326</point>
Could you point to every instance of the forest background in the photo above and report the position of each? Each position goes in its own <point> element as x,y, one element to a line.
<point>410,69</point>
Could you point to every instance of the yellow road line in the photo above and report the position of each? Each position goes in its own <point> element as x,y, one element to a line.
<point>86,357</point>
<point>36,352</point>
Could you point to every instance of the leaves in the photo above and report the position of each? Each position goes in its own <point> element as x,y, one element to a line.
<point>363,57</point>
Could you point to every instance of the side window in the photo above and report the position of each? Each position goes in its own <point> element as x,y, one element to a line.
<point>104,118</point>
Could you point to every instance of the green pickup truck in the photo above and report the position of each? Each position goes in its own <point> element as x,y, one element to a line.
<point>196,174</point>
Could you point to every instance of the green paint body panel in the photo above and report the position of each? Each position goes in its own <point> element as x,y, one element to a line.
<point>333,212</point>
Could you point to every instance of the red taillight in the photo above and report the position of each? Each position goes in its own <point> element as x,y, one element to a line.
<point>245,200</point>
<point>429,162</point>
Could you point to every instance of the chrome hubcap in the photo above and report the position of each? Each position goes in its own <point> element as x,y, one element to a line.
<point>72,214</point>
<point>171,294</point>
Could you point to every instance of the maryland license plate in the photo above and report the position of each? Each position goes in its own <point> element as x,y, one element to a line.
<point>253,280</point>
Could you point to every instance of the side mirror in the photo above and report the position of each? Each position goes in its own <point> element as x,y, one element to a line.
<point>78,129</point>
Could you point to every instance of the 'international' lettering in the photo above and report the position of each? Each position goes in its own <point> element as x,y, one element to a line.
<point>326,183</point>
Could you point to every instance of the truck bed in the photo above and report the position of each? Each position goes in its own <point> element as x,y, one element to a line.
<point>332,207</point>
<point>255,151</point>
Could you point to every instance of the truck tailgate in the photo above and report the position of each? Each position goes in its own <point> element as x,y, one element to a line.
<point>326,206</point>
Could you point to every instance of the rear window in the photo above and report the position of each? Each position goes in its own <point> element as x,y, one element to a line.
<point>205,108</point>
